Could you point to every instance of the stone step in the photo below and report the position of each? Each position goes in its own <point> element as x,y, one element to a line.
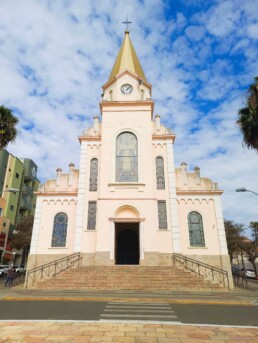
<point>127,277</point>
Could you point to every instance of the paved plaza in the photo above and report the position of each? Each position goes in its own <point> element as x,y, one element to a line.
<point>104,331</point>
<point>84,332</point>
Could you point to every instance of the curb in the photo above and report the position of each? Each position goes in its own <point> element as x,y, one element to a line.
<point>119,299</point>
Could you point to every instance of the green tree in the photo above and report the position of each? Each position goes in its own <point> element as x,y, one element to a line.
<point>21,237</point>
<point>248,117</point>
<point>250,246</point>
<point>234,236</point>
<point>250,252</point>
<point>254,228</point>
<point>8,130</point>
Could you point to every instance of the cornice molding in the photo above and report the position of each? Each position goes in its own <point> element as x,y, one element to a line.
<point>199,192</point>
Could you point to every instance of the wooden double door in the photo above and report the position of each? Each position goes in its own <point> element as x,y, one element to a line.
<point>127,243</point>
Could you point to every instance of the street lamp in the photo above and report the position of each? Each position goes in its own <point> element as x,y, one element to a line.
<point>11,190</point>
<point>243,189</point>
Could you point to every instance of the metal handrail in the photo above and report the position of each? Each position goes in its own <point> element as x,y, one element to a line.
<point>240,280</point>
<point>52,268</point>
<point>204,270</point>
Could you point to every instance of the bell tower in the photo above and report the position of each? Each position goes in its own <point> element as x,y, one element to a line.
<point>127,81</point>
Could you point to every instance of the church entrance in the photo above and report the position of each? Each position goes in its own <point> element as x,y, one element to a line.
<point>127,248</point>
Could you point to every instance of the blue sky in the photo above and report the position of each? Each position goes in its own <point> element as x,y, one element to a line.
<point>200,56</point>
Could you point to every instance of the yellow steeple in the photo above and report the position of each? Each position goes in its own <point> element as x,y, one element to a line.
<point>127,59</point>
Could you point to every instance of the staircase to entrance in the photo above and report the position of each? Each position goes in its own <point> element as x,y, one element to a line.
<point>128,277</point>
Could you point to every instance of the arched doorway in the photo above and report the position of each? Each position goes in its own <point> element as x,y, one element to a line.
<point>127,243</point>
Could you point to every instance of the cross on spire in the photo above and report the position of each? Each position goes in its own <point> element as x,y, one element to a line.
<point>127,24</point>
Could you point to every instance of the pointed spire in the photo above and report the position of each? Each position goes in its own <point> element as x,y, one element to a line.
<point>127,59</point>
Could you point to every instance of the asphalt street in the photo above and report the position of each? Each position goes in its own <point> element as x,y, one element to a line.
<point>126,311</point>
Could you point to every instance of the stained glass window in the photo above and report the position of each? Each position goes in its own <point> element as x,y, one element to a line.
<point>160,177</point>
<point>93,174</point>
<point>162,213</point>
<point>59,230</point>
<point>126,158</point>
<point>195,227</point>
<point>92,211</point>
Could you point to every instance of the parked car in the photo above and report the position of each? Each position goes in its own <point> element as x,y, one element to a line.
<point>19,268</point>
<point>3,269</point>
<point>250,273</point>
<point>6,266</point>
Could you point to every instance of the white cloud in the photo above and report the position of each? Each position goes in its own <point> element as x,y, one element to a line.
<point>222,18</point>
<point>55,56</point>
<point>195,33</point>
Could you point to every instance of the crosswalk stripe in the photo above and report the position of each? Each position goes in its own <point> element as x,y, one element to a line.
<point>136,310</point>
<point>143,307</point>
<point>138,316</point>
<point>140,303</point>
<point>141,311</point>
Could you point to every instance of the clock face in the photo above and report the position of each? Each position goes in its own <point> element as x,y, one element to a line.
<point>127,89</point>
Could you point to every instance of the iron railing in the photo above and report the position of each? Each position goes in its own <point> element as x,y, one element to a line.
<point>203,270</point>
<point>49,270</point>
<point>240,280</point>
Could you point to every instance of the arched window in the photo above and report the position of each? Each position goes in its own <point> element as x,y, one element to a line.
<point>160,177</point>
<point>111,95</point>
<point>195,227</point>
<point>142,94</point>
<point>126,158</point>
<point>93,175</point>
<point>59,230</point>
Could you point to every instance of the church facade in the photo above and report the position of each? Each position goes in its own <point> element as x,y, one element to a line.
<point>128,203</point>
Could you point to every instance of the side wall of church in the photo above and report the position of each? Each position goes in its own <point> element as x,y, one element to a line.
<point>41,245</point>
<point>215,251</point>
<point>204,205</point>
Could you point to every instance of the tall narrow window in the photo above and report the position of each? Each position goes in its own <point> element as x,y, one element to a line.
<point>92,211</point>
<point>142,94</point>
<point>59,230</point>
<point>126,158</point>
<point>160,178</point>
<point>195,227</point>
<point>93,175</point>
<point>162,213</point>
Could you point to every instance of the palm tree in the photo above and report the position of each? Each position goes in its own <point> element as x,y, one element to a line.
<point>248,117</point>
<point>8,131</point>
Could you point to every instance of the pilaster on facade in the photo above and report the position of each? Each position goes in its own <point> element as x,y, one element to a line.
<point>112,240</point>
<point>141,240</point>
<point>173,198</point>
<point>220,225</point>
<point>36,227</point>
<point>81,208</point>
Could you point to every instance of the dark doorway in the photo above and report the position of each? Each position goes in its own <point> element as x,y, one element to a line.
<point>127,243</point>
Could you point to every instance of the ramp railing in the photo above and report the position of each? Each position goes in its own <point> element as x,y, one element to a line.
<point>202,270</point>
<point>51,269</point>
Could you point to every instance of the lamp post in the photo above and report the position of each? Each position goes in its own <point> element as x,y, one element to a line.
<point>13,259</point>
<point>243,189</point>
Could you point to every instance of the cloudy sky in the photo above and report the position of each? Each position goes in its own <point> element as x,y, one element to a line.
<point>199,55</point>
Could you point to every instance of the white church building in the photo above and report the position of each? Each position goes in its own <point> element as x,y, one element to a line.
<point>128,204</point>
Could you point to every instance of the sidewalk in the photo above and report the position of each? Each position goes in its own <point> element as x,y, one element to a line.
<point>84,332</point>
<point>81,332</point>
<point>238,297</point>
